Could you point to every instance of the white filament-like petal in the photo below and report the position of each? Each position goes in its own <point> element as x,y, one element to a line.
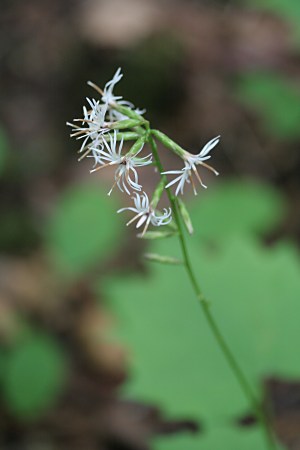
<point>108,95</point>
<point>191,161</point>
<point>208,147</point>
<point>184,175</point>
<point>145,214</point>
<point>126,176</point>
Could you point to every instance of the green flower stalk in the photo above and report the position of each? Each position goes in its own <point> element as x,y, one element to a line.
<point>105,125</point>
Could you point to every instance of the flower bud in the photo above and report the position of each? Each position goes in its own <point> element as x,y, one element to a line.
<point>185,216</point>
<point>152,235</point>
<point>162,259</point>
<point>157,193</point>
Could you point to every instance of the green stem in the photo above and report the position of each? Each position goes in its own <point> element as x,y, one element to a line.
<point>241,378</point>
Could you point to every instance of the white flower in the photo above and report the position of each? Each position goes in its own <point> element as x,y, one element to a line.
<point>93,123</point>
<point>108,95</point>
<point>184,175</point>
<point>190,163</point>
<point>109,98</point>
<point>126,164</point>
<point>145,214</point>
<point>95,149</point>
<point>203,155</point>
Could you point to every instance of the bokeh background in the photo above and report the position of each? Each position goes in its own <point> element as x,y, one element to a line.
<point>99,349</point>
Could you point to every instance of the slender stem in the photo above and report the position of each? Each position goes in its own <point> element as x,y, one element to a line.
<point>241,378</point>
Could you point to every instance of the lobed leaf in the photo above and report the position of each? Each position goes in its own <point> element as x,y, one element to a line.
<point>236,207</point>
<point>84,228</point>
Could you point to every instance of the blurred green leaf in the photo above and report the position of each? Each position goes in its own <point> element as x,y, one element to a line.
<point>275,99</point>
<point>254,295</point>
<point>261,288</point>
<point>236,207</point>
<point>84,228</point>
<point>175,360</point>
<point>33,377</point>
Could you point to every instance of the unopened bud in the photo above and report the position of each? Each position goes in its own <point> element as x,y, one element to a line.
<point>185,215</point>
<point>157,193</point>
<point>162,259</point>
<point>152,235</point>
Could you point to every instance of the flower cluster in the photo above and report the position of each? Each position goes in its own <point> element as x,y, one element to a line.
<point>98,132</point>
<point>102,130</point>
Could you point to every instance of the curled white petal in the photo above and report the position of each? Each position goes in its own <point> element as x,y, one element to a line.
<point>108,95</point>
<point>126,176</point>
<point>92,125</point>
<point>145,214</point>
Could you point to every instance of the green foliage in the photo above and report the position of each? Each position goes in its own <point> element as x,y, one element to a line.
<point>254,294</point>
<point>236,208</point>
<point>33,376</point>
<point>275,99</point>
<point>84,228</point>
